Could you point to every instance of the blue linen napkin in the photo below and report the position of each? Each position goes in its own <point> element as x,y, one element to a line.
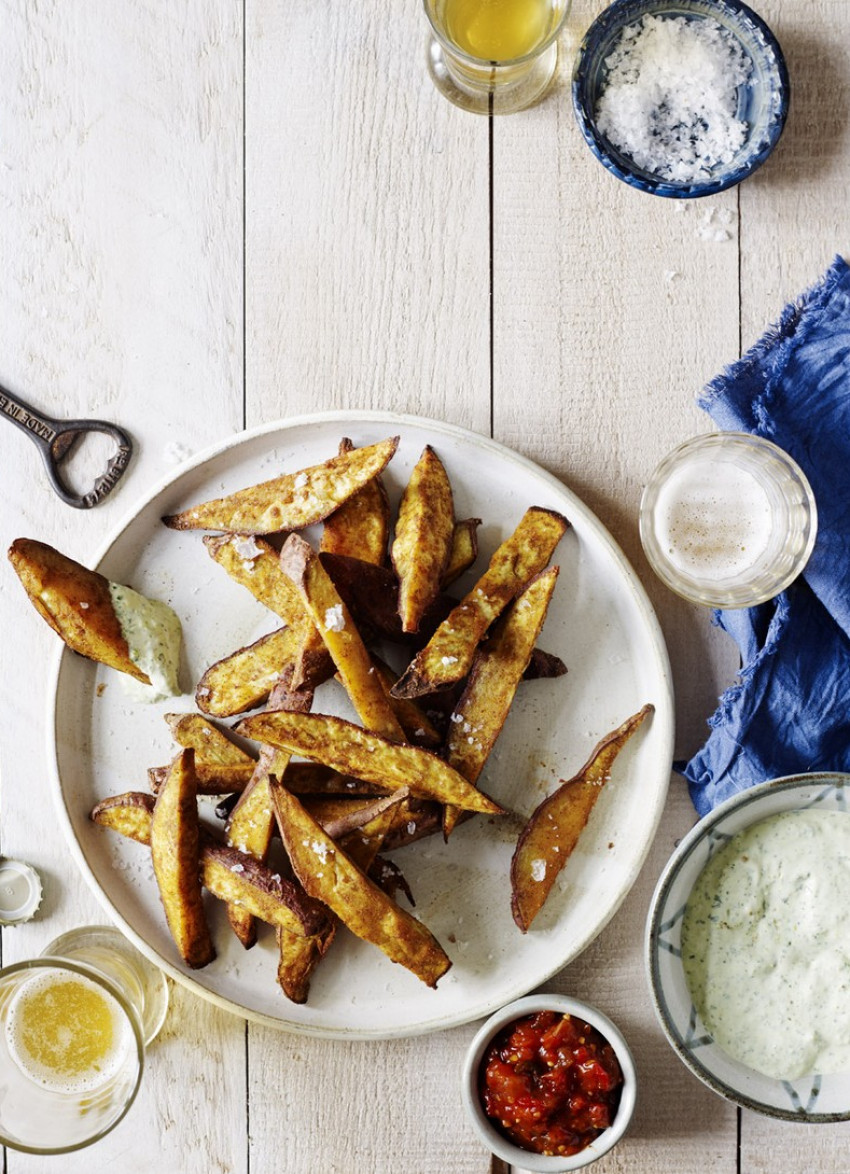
<point>788,712</point>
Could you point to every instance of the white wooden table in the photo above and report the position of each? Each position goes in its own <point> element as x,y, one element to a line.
<point>217,214</point>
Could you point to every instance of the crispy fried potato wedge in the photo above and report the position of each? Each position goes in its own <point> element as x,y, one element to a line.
<point>249,830</point>
<point>244,680</point>
<point>552,832</point>
<point>75,602</point>
<point>254,564</point>
<point>313,778</point>
<point>298,958</point>
<point>176,853</point>
<point>352,750</point>
<point>448,655</point>
<point>264,578</point>
<point>544,665</point>
<point>329,875</point>
<point>334,622</point>
<point>423,538</point>
<point>210,778</point>
<point>341,817</point>
<point>128,814</point>
<point>371,595</point>
<point>292,501</point>
<point>464,550</point>
<point>361,525</point>
<point>497,670</point>
<point>227,873</point>
<point>418,727</point>
<point>302,778</point>
<point>240,880</point>
<point>251,822</point>
<point>211,745</point>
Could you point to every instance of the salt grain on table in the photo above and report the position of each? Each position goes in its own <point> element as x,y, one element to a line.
<point>670,99</point>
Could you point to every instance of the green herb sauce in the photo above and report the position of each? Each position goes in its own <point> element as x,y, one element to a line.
<point>766,944</point>
<point>153,635</point>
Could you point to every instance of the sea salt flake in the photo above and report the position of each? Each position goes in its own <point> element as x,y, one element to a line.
<point>671,96</point>
<point>246,547</point>
<point>538,870</point>
<point>449,659</point>
<point>300,481</point>
<point>334,619</point>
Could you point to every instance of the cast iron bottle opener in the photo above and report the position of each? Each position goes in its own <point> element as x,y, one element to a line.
<point>54,440</point>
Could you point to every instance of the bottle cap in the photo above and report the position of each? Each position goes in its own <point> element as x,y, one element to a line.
<point>20,891</point>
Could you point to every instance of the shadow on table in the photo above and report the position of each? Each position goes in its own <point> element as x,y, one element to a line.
<point>819,113</point>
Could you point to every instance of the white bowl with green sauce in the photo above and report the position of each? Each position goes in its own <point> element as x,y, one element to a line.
<point>748,948</point>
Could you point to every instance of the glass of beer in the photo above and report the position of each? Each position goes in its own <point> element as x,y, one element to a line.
<point>728,519</point>
<point>494,56</point>
<point>72,1043</point>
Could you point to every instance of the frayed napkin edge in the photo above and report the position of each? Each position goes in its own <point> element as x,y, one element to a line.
<point>771,349</point>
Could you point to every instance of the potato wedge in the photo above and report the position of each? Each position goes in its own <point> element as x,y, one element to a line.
<point>263,577</point>
<point>418,727</point>
<point>544,665</point>
<point>243,680</point>
<point>237,879</point>
<point>175,849</point>
<point>302,778</point>
<point>352,750</point>
<point>75,602</point>
<point>552,832</point>
<point>210,778</point>
<point>249,831</point>
<point>129,814</point>
<point>371,595</point>
<point>342,817</point>
<point>211,745</point>
<point>361,525</point>
<point>298,958</point>
<point>228,874</point>
<point>334,622</point>
<point>423,538</point>
<point>497,670</point>
<point>253,563</point>
<point>251,822</point>
<point>312,778</point>
<point>292,501</point>
<point>329,875</point>
<point>448,655</point>
<point>464,550</point>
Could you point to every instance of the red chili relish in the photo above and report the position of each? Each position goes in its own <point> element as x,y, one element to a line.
<point>550,1083</point>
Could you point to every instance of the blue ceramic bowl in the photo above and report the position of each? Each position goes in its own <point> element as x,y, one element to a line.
<point>762,101</point>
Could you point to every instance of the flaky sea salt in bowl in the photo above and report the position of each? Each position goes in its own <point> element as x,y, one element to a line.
<point>680,98</point>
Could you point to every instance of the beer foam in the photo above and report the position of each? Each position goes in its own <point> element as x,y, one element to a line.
<point>67,1034</point>
<point>714,520</point>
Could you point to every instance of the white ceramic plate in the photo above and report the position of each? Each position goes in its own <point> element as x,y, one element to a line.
<point>600,622</point>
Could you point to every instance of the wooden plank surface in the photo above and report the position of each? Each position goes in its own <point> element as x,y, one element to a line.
<point>360,235</point>
<point>122,298</point>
